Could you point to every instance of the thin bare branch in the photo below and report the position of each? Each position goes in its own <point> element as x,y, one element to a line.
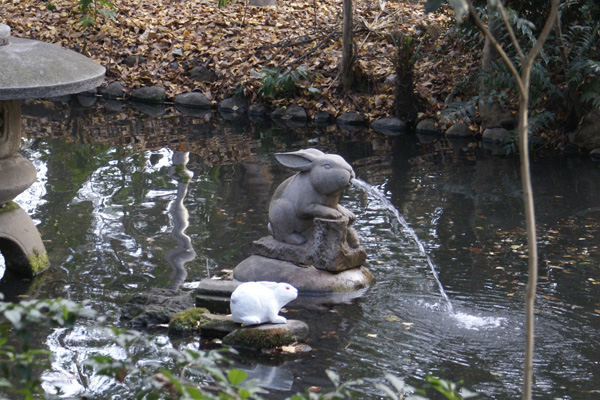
<point>511,31</point>
<point>544,35</point>
<point>497,47</point>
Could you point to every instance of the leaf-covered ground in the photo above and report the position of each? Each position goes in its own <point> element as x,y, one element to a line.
<point>237,41</point>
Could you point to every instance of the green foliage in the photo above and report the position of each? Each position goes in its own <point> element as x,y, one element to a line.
<point>408,52</point>
<point>584,70</point>
<point>460,110</point>
<point>276,83</point>
<point>467,110</point>
<point>176,374</point>
<point>18,361</point>
<point>450,390</point>
<point>498,85</point>
<point>538,123</point>
<point>399,390</point>
<point>92,8</point>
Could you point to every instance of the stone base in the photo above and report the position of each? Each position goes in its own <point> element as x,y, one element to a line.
<point>267,336</point>
<point>257,337</point>
<point>305,279</point>
<point>20,243</point>
<point>331,245</point>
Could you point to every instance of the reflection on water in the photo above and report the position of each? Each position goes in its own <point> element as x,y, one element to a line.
<point>184,252</point>
<point>109,215</point>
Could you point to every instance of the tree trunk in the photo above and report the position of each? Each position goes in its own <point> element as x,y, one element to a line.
<point>523,82</point>
<point>531,235</point>
<point>346,66</point>
<point>489,55</point>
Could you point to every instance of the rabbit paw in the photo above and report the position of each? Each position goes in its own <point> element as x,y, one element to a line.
<point>347,213</point>
<point>250,320</point>
<point>331,213</point>
<point>278,319</point>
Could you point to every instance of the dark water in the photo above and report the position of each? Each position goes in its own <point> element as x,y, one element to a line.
<point>106,203</point>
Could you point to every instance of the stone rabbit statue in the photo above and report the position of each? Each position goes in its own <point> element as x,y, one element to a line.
<point>313,191</point>
<point>259,302</point>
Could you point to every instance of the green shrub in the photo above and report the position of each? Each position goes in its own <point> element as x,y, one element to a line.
<point>177,373</point>
<point>92,8</point>
<point>276,83</point>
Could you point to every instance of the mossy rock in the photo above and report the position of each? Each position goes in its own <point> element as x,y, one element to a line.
<point>187,322</point>
<point>38,262</point>
<point>217,326</point>
<point>149,94</point>
<point>267,336</point>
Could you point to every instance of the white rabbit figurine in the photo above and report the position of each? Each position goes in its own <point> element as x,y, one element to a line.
<point>312,192</point>
<point>259,302</point>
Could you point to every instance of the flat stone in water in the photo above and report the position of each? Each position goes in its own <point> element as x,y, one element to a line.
<point>296,113</point>
<point>268,336</point>
<point>214,294</point>
<point>428,126</point>
<point>193,99</point>
<point>257,110</point>
<point>233,105</point>
<point>322,118</point>
<point>350,118</point>
<point>390,126</point>
<point>495,135</point>
<point>217,326</point>
<point>459,130</point>
<point>156,306</point>
<point>149,94</point>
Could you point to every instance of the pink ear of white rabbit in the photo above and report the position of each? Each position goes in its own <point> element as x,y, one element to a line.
<point>273,285</point>
<point>268,283</point>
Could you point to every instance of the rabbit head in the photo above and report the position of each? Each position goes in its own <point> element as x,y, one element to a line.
<point>329,173</point>
<point>283,292</point>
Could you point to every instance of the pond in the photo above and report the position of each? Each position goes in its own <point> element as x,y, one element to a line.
<point>103,204</point>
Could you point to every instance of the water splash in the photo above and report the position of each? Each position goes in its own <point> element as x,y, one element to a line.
<point>364,186</point>
<point>475,322</point>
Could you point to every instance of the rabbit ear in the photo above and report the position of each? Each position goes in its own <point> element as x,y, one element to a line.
<point>300,160</point>
<point>269,284</point>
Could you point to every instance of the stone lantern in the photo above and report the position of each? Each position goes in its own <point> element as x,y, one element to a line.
<point>30,69</point>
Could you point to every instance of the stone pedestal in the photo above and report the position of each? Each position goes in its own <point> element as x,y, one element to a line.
<point>10,127</point>
<point>20,243</point>
<point>331,261</point>
<point>307,280</point>
<point>327,247</point>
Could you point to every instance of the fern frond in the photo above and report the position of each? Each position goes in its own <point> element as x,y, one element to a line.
<point>592,94</point>
<point>539,122</point>
<point>465,110</point>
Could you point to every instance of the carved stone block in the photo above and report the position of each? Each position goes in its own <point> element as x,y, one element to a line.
<point>331,246</point>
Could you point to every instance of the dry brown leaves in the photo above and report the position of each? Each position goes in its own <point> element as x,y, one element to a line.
<point>239,40</point>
